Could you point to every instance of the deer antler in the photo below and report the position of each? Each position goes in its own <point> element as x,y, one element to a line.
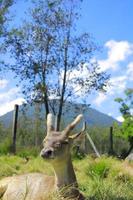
<point>50,126</point>
<point>71,126</point>
<point>77,134</point>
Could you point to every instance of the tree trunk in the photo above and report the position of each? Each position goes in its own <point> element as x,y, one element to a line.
<point>44,65</point>
<point>14,130</point>
<point>111,150</point>
<point>63,87</point>
<point>128,152</point>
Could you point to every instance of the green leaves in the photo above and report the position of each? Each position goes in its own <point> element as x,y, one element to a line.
<point>119,100</point>
<point>4,6</point>
<point>126,129</point>
<point>126,104</point>
<point>47,51</point>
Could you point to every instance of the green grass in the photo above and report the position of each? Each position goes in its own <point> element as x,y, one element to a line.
<point>99,179</point>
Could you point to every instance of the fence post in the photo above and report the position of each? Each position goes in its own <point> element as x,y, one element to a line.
<point>14,129</point>
<point>111,150</point>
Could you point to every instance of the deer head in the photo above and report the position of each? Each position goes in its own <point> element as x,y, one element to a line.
<point>57,145</point>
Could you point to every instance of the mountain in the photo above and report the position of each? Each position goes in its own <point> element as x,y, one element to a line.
<point>92,116</point>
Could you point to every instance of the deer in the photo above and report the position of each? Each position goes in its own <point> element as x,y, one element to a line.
<point>57,151</point>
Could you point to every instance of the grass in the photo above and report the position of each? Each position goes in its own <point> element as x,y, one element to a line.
<point>99,179</point>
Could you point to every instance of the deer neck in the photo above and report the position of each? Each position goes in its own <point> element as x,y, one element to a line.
<point>64,173</point>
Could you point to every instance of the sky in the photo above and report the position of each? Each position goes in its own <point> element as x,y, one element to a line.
<point>111,24</point>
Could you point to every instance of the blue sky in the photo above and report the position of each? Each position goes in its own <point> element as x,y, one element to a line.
<point>111,24</point>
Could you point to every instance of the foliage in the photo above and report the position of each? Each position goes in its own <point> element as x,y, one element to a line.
<point>48,54</point>
<point>28,130</point>
<point>98,169</point>
<point>4,18</point>
<point>31,127</point>
<point>5,146</point>
<point>127,127</point>
<point>30,134</point>
<point>126,106</point>
<point>2,130</point>
<point>28,152</point>
<point>5,139</point>
<point>4,6</point>
<point>100,137</point>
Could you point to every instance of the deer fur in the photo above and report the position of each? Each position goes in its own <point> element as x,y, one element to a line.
<point>37,186</point>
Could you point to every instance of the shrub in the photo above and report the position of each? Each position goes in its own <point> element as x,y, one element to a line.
<point>28,152</point>
<point>98,168</point>
<point>5,146</point>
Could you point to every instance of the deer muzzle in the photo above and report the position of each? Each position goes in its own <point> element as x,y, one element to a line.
<point>46,154</point>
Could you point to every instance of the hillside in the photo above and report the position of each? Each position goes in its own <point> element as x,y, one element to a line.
<point>92,116</point>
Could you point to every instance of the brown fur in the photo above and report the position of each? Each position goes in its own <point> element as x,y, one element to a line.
<point>34,186</point>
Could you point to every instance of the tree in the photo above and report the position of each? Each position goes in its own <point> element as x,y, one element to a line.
<point>4,8</point>
<point>49,54</point>
<point>126,106</point>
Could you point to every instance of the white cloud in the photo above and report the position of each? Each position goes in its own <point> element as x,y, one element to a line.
<point>117,52</point>
<point>82,72</point>
<point>52,97</point>
<point>9,106</point>
<point>9,99</point>
<point>100,99</point>
<point>117,85</point>
<point>3,83</point>
<point>130,71</point>
<point>9,95</point>
<point>120,119</point>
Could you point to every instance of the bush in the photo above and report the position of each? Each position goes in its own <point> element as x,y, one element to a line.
<point>98,168</point>
<point>5,146</point>
<point>28,152</point>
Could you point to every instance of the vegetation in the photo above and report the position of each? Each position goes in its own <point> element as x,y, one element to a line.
<point>46,45</point>
<point>31,133</point>
<point>99,179</point>
<point>126,130</point>
<point>4,7</point>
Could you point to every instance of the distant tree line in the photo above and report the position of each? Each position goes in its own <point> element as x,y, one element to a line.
<point>31,132</point>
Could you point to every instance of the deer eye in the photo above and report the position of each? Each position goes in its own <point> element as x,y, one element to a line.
<point>65,142</point>
<point>57,145</point>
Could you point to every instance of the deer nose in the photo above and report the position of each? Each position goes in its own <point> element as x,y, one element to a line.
<point>46,153</point>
